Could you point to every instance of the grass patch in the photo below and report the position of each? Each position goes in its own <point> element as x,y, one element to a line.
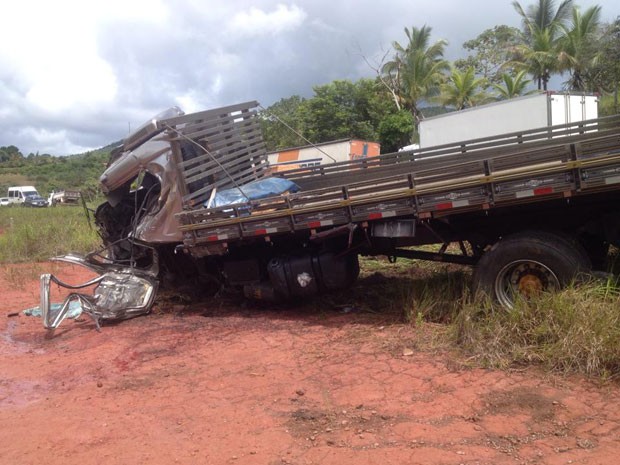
<point>414,290</point>
<point>576,330</point>
<point>36,234</point>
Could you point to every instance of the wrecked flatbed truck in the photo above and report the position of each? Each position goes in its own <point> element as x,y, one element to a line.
<point>529,210</point>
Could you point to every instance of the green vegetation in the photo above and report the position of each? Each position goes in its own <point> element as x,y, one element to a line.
<point>413,290</point>
<point>47,173</point>
<point>36,234</point>
<point>539,49</point>
<point>576,330</point>
<point>416,71</point>
<point>491,52</point>
<point>463,89</point>
<point>512,86</point>
<point>339,110</point>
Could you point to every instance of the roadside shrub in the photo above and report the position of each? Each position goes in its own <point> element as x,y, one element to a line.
<point>575,330</point>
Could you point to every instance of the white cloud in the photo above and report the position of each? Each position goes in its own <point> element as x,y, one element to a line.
<point>224,59</point>
<point>69,85</point>
<point>49,141</point>
<point>74,74</point>
<point>55,53</point>
<point>142,11</point>
<point>256,22</point>
<point>189,102</point>
<point>217,85</point>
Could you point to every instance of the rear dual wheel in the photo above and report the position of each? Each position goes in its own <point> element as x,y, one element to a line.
<point>528,263</point>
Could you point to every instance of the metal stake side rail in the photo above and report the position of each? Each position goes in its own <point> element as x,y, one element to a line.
<point>549,163</point>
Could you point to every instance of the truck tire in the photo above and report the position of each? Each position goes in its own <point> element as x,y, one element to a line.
<point>527,263</point>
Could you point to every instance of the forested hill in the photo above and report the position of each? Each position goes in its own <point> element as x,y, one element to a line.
<point>47,172</point>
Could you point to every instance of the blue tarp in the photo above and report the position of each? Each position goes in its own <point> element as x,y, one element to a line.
<point>75,309</point>
<point>267,187</point>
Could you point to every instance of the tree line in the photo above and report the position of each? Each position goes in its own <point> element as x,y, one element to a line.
<point>413,79</point>
<point>48,173</point>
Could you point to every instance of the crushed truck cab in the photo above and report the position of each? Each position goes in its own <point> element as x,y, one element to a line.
<point>191,201</point>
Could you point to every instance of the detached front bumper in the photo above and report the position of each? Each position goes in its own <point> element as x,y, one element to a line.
<point>118,294</point>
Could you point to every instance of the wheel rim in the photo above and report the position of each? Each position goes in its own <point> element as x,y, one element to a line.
<point>523,277</point>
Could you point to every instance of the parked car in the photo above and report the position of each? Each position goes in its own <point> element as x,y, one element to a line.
<point>35,201</point>
<point>4,202</point>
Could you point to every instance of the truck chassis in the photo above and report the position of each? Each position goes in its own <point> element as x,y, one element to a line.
<point>530,210</point>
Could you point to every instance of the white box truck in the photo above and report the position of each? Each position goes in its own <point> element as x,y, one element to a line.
<point>508,116</point>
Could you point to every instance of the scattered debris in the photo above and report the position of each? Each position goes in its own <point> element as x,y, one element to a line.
<point>119,293</point>
<point>73,311</point>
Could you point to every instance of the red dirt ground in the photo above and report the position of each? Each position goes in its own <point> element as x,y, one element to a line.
<point>225,384</point>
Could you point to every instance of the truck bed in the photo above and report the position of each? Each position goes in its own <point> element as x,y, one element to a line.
<point>526,167</point>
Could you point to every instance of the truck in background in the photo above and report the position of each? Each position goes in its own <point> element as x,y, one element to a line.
<point>17,194</point>
<point>64,197</point>
<point>320,154</point>
<point>508,117</point>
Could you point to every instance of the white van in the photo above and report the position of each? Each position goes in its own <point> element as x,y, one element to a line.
<point>18,194</point>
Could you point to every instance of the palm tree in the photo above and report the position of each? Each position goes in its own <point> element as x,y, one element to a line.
<point>463,89</point>
<point>539,56</point>
<point>416,70</point>
<point>513,86</point>
<point>542,25</point>
<point>576,45</point>
<point>603,75</point>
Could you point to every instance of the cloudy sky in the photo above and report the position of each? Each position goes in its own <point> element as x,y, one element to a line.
<point>78,74</point>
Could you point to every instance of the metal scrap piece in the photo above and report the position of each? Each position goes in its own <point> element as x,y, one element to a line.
<point>119,293</point>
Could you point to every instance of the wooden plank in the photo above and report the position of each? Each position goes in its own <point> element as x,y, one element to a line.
<point>239,171</point>
<point>245,156</point>
<point>234,141</point>
<point>210,114</point>
<point>207,159</point>
<point>241,178</point>
<point>248,153</point>
<point>217,131</point>
<point>234,135</point>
